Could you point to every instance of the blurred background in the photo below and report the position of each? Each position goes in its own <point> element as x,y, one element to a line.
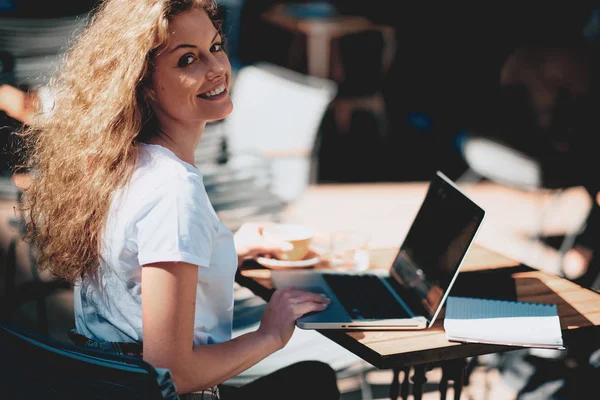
<point>351,92</point>
<point>410,78</point>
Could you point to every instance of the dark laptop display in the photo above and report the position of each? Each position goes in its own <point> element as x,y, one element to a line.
<point>411,293</point>
<point>436,243</point>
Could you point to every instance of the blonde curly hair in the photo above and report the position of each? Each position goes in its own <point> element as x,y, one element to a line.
<point>87,148</point>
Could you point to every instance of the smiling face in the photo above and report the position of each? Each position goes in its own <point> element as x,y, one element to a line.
<point>191,74</point>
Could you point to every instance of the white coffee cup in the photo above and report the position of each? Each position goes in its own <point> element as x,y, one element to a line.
<point>298,235</point>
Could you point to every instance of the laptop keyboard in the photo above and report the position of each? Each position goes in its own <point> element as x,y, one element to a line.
<point>365,297</point>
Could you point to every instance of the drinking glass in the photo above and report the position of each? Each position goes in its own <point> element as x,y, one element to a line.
<point>350,249</point>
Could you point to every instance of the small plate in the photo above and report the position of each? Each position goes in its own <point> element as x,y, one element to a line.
<point>310,260</point>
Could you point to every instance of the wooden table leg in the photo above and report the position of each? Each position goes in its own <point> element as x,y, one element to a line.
<point>471,364</point>
<point>418,380</point>
<point>444,383</point>
<point>296,53</point>
<point>405,384</point>
<point>395,388</point>
<point>395,385</point>
<point>318,53</point>
<point>453,371</point>
<point>458,385</point>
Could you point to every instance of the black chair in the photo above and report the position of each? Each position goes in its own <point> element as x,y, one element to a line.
<point>37,367</point>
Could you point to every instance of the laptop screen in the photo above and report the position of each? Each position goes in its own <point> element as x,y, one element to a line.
<point>437,241</point>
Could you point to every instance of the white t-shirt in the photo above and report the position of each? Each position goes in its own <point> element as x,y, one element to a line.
<point>163,214</point>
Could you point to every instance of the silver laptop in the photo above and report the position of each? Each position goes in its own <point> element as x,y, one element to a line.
<point>412,292</point>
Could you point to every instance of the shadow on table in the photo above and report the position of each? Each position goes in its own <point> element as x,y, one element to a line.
<point>546,374</point>
<point>492,284</point>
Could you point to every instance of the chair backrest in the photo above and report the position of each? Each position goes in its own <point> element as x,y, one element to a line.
<point>36,367</point>
<point>501,163</point>
<point>277,113</point>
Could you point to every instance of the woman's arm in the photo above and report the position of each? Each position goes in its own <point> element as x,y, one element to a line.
<point>16,103</point>
<point>168,306</point>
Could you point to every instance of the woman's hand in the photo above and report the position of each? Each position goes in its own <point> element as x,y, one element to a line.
<point>287,305</point>
<point>249,242</point>
<point>17,103</point>
<point>577,261</point>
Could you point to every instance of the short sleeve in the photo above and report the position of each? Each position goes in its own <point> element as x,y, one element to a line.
<point>176,225</point>
<point>46,99</point>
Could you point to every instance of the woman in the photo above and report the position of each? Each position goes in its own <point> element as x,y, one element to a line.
<point>117,206</point>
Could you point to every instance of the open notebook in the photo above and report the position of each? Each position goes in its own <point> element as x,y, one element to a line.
<point>514,323</point>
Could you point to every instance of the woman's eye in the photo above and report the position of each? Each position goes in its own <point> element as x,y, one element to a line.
<point>186,60</point>
<point>216,47</point>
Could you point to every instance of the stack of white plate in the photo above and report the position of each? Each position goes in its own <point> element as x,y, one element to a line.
<point>240,189</point>
<point>37,44</point>
<point>210,148</point>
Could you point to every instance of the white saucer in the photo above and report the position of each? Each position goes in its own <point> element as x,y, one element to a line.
<point>309,260</point>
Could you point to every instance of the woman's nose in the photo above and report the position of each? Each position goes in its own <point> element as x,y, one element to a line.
<point>216,69</point>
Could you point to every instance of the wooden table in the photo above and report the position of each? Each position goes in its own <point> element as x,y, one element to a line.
<point>381,207</point>
<point>400,350</point>
<point>321,31</point>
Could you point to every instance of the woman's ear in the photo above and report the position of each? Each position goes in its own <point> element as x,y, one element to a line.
<point>147,95</point>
